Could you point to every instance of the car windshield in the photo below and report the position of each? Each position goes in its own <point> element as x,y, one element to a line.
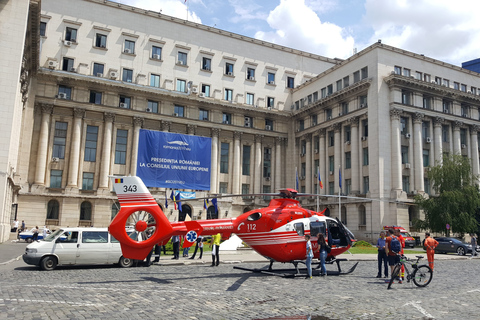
<point>405,234</point>
<point>52,236</point>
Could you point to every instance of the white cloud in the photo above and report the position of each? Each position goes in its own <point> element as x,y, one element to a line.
<point>172,8</point>
<point>296,25</point>
<point>442,29</point>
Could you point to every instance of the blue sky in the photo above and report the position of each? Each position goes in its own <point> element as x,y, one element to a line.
<point>442,29</point>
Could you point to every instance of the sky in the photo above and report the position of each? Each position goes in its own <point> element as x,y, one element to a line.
<point>445,30</point>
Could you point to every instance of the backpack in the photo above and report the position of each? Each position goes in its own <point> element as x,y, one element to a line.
<point>395,245</point>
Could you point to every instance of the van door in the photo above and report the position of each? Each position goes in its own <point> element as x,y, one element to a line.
<point>93,248</point>
<point>65,247</point>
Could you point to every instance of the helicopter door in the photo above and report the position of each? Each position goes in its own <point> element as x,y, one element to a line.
<point>299,228</point>
<point>317,227</point>
<point>336,237</point>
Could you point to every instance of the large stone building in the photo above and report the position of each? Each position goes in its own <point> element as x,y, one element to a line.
<point>105,70</point>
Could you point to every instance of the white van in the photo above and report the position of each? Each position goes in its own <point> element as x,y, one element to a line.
<point>71,246</point>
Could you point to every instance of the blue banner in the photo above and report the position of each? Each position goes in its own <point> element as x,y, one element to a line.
<point>173,160</point>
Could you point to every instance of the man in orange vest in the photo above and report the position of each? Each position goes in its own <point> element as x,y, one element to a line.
<point>402,242</point>
<point>430,245</point>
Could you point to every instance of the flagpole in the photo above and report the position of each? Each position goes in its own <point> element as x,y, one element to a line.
<point>339,194</point>
<point>318,188</point>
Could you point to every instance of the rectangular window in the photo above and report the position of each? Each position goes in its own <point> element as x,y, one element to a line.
<point>331,188</point>
<point>56,178</point>
<point>347,133</point>
<point>404,154</point>
<point>155,80</point>
<point>365,127</point>
<point>59,140</point>
<point>339,85</point>
<point>463,87</point>
<point>245,190</point>
<point>64,92</point>
<point>398,70</point>
<point>445,133</point>
<point>100,40</point>
<point>463,136</point>
<point>152,106</point>
<point>331,164</point>
<point>223,187</point>
<point>91,144</point>
<point>426,184</point>
<point>438,80</point>
<point>331,138</point>
<point>446,83</point>
<point>98,69</point>
<point>464,110</point>
<point>87,181</point>
<point>71,34</point>
<point>363,101</point>
<point>270,102</point>
<point>95,97</point>
<point>301,125</point>
<point>229,94</point>
<point>290,82</point>
<point>250,99</point>
<point>43,28</point>
<point>356,76</point>
<point>329,89</point>
<point>348,186</point>
<point>365,73</point>
<point>406,97</point>
<point>156,53</point>
<point>129,47</point>
<point>206,64</point>
<point>403,125</point>
<point>224,157</point>
<point>426,157</point>
<point>206,90</point>
<point>203,115</point>
<point>246,160</point>
<point>268,124</point>
<point>406,72</point>
<point>406,184</point>
<point>456,86</point>
<point>425,131</point>
<point>427,77</point>
<point>419,75</point>
<point>250,74</point>
<point>125,102</point>
<point>474,90</point>
<point>348,160</point>
<point>127,75</point>
<point>427,102</point>
<point>314,120</point>
<point>365,156</point>
<point>346,81</point>
<point>344,108</point>
<point>227,118</point>
<point>328,114</point>
<point>229,69</point>
<point>366,184</point>
<point>68,64</point>
<point>446,106</point>
<point>181,85</point>
<point>182,58</point>
<point>323,93</point>
<point>315,96</point>
<point>271,78</point>
<point>248,122</point>
<point>179,111</point>
<point>121,147</point>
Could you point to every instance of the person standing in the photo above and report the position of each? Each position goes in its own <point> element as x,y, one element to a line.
<point>473,241</point>
<point>15,226</point>
<point>402,243</point>
<point>198,244</point>
<point>216,249</point>
<point>382,256</point>
<point>323,249</point>
<point>23,225</point>
<point>308,261</point>
<point>35,234</point>
<point>392,251</point>
<point>430,245</point>
<point>44,234</point>
<point>176,247</point>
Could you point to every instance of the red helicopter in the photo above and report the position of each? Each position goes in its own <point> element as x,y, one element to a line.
<point>275,232</point>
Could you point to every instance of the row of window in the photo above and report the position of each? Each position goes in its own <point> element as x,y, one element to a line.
<point>437,80</point>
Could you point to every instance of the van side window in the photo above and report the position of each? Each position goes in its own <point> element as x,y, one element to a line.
<point>95,237</point>
<point>69,236</point>
<point>299,228</point>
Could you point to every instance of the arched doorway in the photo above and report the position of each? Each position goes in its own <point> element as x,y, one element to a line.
<point>186,210</point>
<point>211,214</point>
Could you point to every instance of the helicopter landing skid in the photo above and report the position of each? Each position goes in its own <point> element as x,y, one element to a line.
<point>292,273</point>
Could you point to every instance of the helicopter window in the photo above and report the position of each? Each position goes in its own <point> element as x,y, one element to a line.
<point>299,228</point>
<point>254,216</point>
<point>337,238</point>
<point>317,227</point>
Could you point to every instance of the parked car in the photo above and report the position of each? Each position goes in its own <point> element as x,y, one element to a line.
<point>28,235</point>
<point>72,246</point>
<point>409,240</point>
<point>448,244</point>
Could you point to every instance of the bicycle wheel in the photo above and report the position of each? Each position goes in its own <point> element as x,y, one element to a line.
<point>422,276</point>
<point>395,274</point>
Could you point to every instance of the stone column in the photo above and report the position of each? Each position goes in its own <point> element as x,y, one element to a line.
<point>437,140</point>
<point>322,160</point>
<point>191,128</point>
<point>474,149</point>
<point>257,168</point>
<point>356,156</point>
<point>236,162</point>
<point>308,163</point>
<point>165,125</point>
<point>43,144</point>
<point>214,165</point>
<point>78,115</point>
<point>278,164</point>
<point>109,118</point>
<point>457,143</point>
<point>395,115</point>
<point>137,125</point>
<point>418,152</point>
<point>337,127</point>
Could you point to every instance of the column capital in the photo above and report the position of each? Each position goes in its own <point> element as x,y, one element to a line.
<point>46,108</point>
<point>457,125</point>
<point>78,113</point>
<point>259,138</point>
<point>237,135</point>
<point>191,129</point>
<point>138,122</point>
<point>165,125</point>
<point>308,137</point>
<point>354,121</point>
<point>337,127</point>
<point>109,117</point>
<point>418,117</point>
<point>474,129</point>
<point>395,113</point>
<point>438,122</point>
<point>215,132</point>
<point>322,132</point>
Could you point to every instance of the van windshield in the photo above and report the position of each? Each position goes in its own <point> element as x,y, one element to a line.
<point>52,236</point>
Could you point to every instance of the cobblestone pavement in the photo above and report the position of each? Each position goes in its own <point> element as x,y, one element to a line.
<point>204,292</point>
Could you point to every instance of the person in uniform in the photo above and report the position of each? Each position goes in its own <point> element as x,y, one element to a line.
<point>430,245</point>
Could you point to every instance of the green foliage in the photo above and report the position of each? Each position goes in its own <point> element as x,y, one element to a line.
<point>457,199</point>
<point>361,243</point>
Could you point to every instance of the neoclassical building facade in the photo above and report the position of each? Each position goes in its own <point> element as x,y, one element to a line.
<point>381,118</point>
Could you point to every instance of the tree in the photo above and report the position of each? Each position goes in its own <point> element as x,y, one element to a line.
<point>457,198</point>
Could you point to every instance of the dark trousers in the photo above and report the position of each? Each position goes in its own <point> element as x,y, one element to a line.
<point>216,256</point>
<point>149,256</point>
<point>176,250</point>
<point>382,258</point>
<point>157,251</point>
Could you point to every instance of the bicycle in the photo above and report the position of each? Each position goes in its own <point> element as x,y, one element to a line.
<point>421,275</point>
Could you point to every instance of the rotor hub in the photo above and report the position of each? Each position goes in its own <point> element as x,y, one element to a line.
<point>141,226</point>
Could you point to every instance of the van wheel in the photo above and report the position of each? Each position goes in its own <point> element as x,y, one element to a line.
<point>48,263</point>
<point>28,240</point>
<point>125,262</point>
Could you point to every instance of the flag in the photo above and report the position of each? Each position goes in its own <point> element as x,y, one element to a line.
<point>118,180</point>
<point>214,202</point>
<point>166,198</point>
<point>172,196</point>
<point>205,204</point>
<point>296,179</point>
<point>319,179</point>
<point>179,197</point>
<point>340,178</point>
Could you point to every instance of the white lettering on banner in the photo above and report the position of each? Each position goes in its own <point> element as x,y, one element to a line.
<point>177,148</point>
<point>174,167</point>
<point>175,181</point>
